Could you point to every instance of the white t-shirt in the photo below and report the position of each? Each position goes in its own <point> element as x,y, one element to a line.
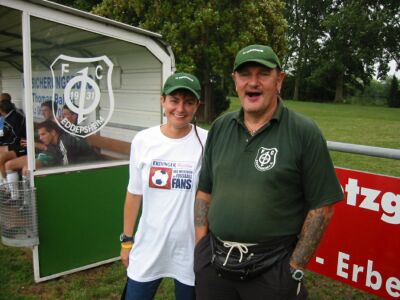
<point>165,171</point>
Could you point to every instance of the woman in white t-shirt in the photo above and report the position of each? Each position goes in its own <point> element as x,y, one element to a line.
<point>163,176</point>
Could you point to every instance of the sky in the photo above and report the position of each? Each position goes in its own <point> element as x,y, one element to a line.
<point>392,65</point>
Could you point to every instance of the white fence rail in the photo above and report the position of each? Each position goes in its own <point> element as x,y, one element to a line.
<point>364,150</point>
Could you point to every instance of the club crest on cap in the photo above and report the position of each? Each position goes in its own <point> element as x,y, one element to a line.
<point>252,50</point>
<point>184,81</point>
<point>184,77</point>
<point>260,54</point>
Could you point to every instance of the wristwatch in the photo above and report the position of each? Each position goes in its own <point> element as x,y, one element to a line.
<point>124,238</point>
<point>297,274</point>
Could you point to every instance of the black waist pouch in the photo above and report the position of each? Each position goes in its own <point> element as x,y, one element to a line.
<point>238,262</point>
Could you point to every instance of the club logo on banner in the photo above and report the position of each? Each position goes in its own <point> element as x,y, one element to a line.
<point>82,93</point>
<point>362,243</point>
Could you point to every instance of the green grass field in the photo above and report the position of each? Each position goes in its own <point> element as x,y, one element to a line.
<point>364,125</point>
<point>375,126</point>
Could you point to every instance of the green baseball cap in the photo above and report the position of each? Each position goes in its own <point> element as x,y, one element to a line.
<point>261,54</point>
<point>182,81</point>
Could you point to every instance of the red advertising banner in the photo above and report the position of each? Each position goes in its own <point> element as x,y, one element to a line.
<point>361,246</point>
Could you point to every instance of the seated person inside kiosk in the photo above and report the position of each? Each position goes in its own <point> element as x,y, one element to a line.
<point>12,132</point>
<point>53,146</point>
<point>60,148</point>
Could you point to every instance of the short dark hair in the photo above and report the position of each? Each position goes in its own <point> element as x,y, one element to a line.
<point>6,106</point>
<point>5,97</point>
<point>50,104</point>
<point>183,92</point>
<point>65,106</point>
<point>49,126</point>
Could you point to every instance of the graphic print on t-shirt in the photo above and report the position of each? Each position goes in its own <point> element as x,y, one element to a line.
<point>160,178</point>
<point>171,175</point>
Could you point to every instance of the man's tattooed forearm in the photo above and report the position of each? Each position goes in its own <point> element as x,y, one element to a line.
<point>313,229</point>
<point>201,207</point>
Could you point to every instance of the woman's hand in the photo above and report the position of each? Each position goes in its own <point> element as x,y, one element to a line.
<point>125,256</point>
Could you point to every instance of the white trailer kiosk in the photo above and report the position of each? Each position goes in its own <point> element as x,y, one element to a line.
<point>110,75</point>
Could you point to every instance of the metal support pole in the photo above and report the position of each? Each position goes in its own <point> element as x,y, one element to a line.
<point>364,150</point>
<point>26,44</point>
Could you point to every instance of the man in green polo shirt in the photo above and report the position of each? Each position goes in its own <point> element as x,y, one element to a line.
<point>266,191</point>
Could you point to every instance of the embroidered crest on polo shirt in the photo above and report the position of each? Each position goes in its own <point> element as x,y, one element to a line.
<point>265,159</point>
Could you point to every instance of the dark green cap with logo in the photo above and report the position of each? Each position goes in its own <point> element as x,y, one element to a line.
<point>182,81</point>
<point>261,54</point>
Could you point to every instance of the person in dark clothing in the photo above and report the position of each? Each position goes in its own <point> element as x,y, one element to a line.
<point>59,149</point>
<point>266,191</point>
<point>14,127</point>
<point>62,148</point>
<point>14,130</point>
<point>7,97</point>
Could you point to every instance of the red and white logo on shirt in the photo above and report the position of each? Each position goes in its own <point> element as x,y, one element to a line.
<point>160,178</point>
<point>171,175</point>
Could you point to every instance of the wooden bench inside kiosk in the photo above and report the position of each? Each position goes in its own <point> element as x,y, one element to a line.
<point>110,148</point>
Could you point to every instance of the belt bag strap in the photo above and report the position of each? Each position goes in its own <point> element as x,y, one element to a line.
<point>240,263</point>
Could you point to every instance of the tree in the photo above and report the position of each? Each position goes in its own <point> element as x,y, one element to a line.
<point>390,36</point>
<point>349,28</point>
<point>335,44</point>
<point>86,5</point>
<point>205,35</point>
<point>305,18</point>
<point>394,93</point>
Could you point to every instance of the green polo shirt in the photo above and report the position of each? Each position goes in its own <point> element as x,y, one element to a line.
<point>263,186</point>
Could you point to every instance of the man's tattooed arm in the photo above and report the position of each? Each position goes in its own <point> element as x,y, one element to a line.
<point>311,234</point>
<point>201,206</point>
